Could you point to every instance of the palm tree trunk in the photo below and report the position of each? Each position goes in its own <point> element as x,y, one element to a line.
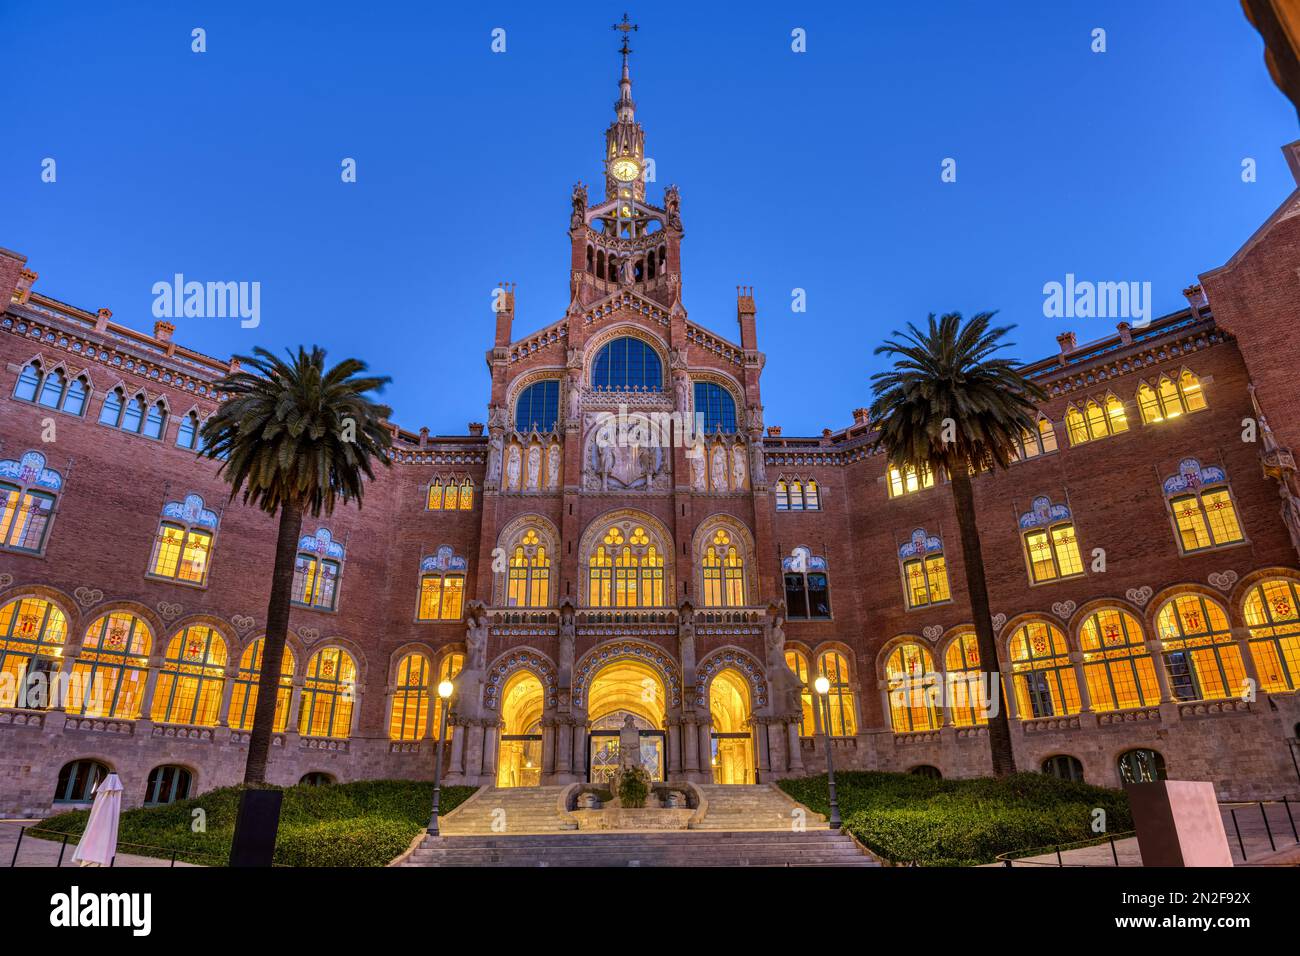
<point>277,630</point>
<point>1004,760</point>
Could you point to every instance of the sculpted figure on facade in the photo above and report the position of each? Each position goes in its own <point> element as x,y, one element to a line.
<point>553,467</point>
<point>718,468</point>
<point>686,637</point>
<point>697,454</point>
<point>575,399</point>
<point>673,206</point>
<point>784,683</point>
<point>514,464</point>
<point>738,467</point>
<point>496,448</point>
<point>534,467</point>
<point>578,218</point>
<point>567,638</point>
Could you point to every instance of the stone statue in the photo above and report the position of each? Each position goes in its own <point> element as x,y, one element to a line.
<point>534,467</point>
<point>575,400</point>
<point>738,467</point>
<point>513,466</point>
<point>673,206</point>
<point>573,357</point>
<point>697,454</point>
<point>629,744</point>
<point>553,467</point>
<point>759,468</point>
<point>718,472</point>
<point>476,637</point>
<point>624,272</point>
<point>496,445</point>
<point>1290,509</point>
<point>686,639</point>
<point>785,685</point>
<point>608,461</point>
<point>579,199</point>
<point>683,394</point>
<point>567,637</point>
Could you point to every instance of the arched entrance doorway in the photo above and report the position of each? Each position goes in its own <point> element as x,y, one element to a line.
<point>732,757</point>
<point>519,757</point>
<point>620,689</point>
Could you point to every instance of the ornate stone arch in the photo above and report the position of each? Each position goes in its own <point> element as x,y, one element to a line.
<point>517,386</point>
<point>74,619</point>
<point>1165,595</point>
<point>740,660</point>
<point>741,538</point>
<point>1075,624</point>
<point>224,629</point>
<point>411,647</point>
<point>653,656</point>
<point>509,538</point>
<point>1237,600</point>
<point>519,658</point>
<point>626,329</point>
<point>886,650</point>
<point>1013,625</point>
<point>627,519</point>
<point>351,646</point>
<point>292,642</point>
<point>728,383</point>
<point>156,628</point>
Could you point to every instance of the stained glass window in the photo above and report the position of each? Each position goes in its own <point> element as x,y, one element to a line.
<point>181,553</point>
<point>1042,675</point>
<point>1170,398</point>
<point>967,686</point>
<point>32,632</point>
<point>1201,657</point>
<point>925,580</point>
<point>628,364</point>
<point>449,668</point>
<point>411,698</point>
<point>724,572</point>
<point>1206,519</point>
<point>328,694</point>
<point>834,666</point>
<point>913,689</point>
<point>626,570</point>
<point>1272,612</point>
<point>315,582</point>
<point>1119,671</point>
<point>797,661</point>
<point>715,406</point>
<point>24,517</point>
<point>112,669</point>
<point>538,407</point>
<point>441,596</point>
<point>243,696</point>
<point>191,679</point>
<point>1052,553</point>
<point>905,481</point>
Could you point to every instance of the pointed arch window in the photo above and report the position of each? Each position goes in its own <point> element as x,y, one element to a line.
<point>29,382</point>
<point>628,364</point>
<point>797,661</point>
<point>411,697</point>
<point>1119,671</point>
<point>1170,397</point>
<point>1202,507</point>
<point>53,389</point>
<point>842,717</point>
<point>1050,544</point>
<point>715,409</point>
<point>57,390</point>
<point>797,494</point>
<point>1202,658</point>
<point>243,696</point>
<point>32,634</point>
<point>442,586</point>
<point>155,422</point>
<point>1041,672</point>
<point>112,668</point>
<point>724,572</point>
<point>187,435</point>
<point>807,587</point>
<point>28,492</point>
<point>626,570</point>
<point>448,493</point>
<point>1096,419</point>
<point>782,495</point>
<point>318,571</point>
<point>133,415</point>
<point>1033,443</point>
<point>110,413</point>
<point>538,407</point>
<point>328,694</point>
<point>1272,611</point>
<point>913,689</point>
<point>924,569</point>
<point>906,481</point>
<point>183,546</point>
<point>191,679</point>
<point>968,691</point>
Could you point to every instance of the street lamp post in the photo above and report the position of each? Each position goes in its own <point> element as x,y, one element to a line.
<point>823,687</point>
<point>445,690</point>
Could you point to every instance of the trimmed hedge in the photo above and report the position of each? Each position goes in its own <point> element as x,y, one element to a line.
<point>906,818</point>
<point>349,824</point>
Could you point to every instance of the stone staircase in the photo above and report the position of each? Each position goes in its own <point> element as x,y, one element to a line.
<point>740,826</point>
<point>510,811</point>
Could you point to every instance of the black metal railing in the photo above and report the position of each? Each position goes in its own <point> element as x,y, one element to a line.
<point>168,854</point>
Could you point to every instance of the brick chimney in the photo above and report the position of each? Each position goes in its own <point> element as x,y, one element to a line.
<point>746,313</point>
<point>1196,299</point>
<point>424,436</point>
<point>773,431</point>
<point>476,429</point>
<point>1068,343</point>
<point>860,416</point>
<point>503,304</point>
<point>162,330</point>
<point>24,290</point>
<point>101,319</point>
<point>11,275</point>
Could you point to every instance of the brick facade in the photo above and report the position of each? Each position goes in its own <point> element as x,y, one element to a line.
<point>625,281</point>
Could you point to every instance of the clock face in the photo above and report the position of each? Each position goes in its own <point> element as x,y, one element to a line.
<point>624,170</point>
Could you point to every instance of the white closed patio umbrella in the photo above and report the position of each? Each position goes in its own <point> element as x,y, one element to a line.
<point>99,843</point>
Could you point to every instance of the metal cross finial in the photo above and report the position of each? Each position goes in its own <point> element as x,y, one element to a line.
<point>626,27</point>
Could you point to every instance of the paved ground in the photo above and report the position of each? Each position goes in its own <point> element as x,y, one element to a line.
<point>1249,820</point>
<point>34,852</point>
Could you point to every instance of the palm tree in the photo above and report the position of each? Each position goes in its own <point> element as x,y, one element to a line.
<point>950,407</point>
<point>296,438</point>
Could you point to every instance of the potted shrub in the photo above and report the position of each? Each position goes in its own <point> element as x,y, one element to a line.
<point>633,787</point>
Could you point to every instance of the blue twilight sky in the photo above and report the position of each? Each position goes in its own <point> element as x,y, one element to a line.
<point>818,170</point>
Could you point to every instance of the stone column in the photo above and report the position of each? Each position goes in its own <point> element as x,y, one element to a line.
<point>706,748</point>
<point>564,742</point>
<point>692,754</point>
<point>146,701</point>
<point>548,748</point>
<point>1081,678</point>
<point>491,746</point>
<point>1156,651</point>
<point>794,759</point>
<point>1009,688</point>
<point>223,715</point>
<point>457,748</point>
<point>762,754</point>
<point>580,748</point>
<point>1242,635</point>
<point>295,704</point>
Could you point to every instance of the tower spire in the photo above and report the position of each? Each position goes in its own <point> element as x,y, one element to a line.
<point>625,107</point>
<point>624,140</point>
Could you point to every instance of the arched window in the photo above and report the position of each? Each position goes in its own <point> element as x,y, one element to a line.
<point>187,435</point>
<point>1051,546</point>
<point>52,391</point>
<point>797,661</point>
<point>967,691</point>
<point>529,574</point>
<point>1042,674</point>
<point>538,407</point>
<point>328,694</point>
<point>451,495</point>
<point>724,572</point>
<point>183,545</point>
<point>27,502</point>
<point>1076,426</point>
<point>628,364</point>
<point>155,422</point>
<point>1272,614</point>
<point>449,668</point>
<point>29,382</point>
<point>112,669</point>
<point>1096,420</point>
<point>811,496</point>
<point>913,689</point>
<point>1064,767</point>
<point>411,697</point>
<point>435,495</point>
<point>133,415</point>
<point>167,784</point>
<point>74,402</point>
<point>1170,397</point>
<point>111,412</point>
<point>782,495</point>
<point>78,780</point>
<point>626,570</point>
<point>467,494</point>
<point>796,495</point>
<point>839,699</point>
<point>1041,441</point>
<point>315,778</point>
<point>715,409</point>
<point>318,571</point>
<point>807,590</point>
<point>442,596</point>
<point>924,570</point>
<point>191,679</point>
<point>927,771</point>
<point>1203,660</point>
<point>32,632</point>
<point>1141,766</point>
<point>905,481</point>
<point>243,696</point>
<point>1119,671</point>
<point>1204,513</point>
